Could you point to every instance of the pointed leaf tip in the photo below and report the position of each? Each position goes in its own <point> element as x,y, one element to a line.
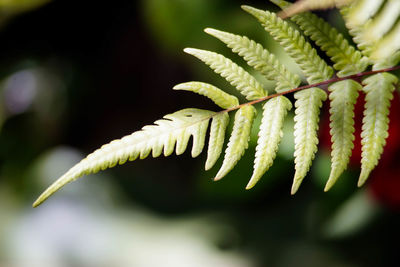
<point>191,51</point>
<point>249,9</point>
<point>333,177</point>
<point>295,187</point>
<point>329,185</point>
<point>363,177</point>
<point>251,184</point>
<point>210,30</point>
<point>216,33</point>
<point>35,204</point>
<point>181,86</point>
<point>49,192</point>
<point>217,178</point>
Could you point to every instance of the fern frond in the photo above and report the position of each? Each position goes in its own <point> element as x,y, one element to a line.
<point>259,58</point>
<point>219,97</point>
<point>315,69</point>
<point>343,96</point>
<point>237,76</point>
<point>308,104</point>
<point>174,130</point>
<point>238,142</point>
<point>379,91</point>
<point>380,47</point>
<point>347,60</point>
<point>269,137</point>
<point>217,138</point>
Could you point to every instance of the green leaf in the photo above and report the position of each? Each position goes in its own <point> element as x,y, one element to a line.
<point>269,137</point>
<point>239,140</point>
<point>379,92</point>
<point>343,96</point>
<point>237,76</point>
<point>217,138</point>
<point>308,104</point>
<point>259,58</point>
<point>218,96</point>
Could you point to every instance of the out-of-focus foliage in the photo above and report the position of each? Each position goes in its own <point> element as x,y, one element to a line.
<point>22,5</point>
<point>11,8</point>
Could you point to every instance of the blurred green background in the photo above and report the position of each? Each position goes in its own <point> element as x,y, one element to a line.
<point>77,74</point>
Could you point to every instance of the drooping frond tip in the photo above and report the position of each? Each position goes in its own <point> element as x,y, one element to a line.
<point>169,134</point>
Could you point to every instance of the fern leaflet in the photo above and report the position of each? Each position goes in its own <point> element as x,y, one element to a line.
<point>259,58</point>
<point>239,140</point>
<point>343,96</point>
<point>269,136</point>
<point>237,76</point>
<point>217,138</point>
<point>379,91</point>
<point>308,104</point>
<point>219,97</point>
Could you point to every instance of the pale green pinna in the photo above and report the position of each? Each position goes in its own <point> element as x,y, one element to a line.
<point>373,38</point>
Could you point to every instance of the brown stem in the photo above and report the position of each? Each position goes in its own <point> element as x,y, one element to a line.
<point>336,79</point>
